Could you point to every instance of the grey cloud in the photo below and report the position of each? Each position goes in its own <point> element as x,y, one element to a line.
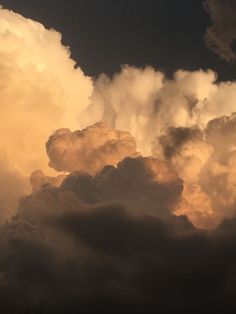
<point>173,140</point>
<point>145,184</point>
<point>221,35</point>
<point>115,262</point>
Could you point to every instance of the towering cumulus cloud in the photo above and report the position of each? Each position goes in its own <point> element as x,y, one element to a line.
<point>133,184</point>
<point>36,99</point>
<point>221,36</point>
<point>144,102</point>
<point>169,119</point>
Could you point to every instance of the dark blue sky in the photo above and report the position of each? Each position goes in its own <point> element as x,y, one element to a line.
<point>103,34</point>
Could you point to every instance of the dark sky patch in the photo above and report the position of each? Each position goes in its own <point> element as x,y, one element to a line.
<point>165,34</point>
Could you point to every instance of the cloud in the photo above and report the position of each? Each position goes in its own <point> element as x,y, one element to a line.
<point>89,150</point>
<point>120,232</point>
<point>205,161</point>
<point>144,184</point>
<point>144,102</point>
<point>221,36</point>
<point>12,185</point>
<point>187,151</point>
<point>38,180</point>
<point>36,99</point>
<point>221,133</point>
<point>218,176</point>
<point>111,259</point>
<point>42,91</point>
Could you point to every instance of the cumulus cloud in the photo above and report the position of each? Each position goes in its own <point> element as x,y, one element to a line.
<point>221,36</point>
<point>38,180</point>
<point>205,160</point>
<point>145,184</point>
<point>187,151</point>
<point>218,176</point>
<point>221,133</point>
<point>119,231</point>
<point>168,118</point>
<point>36,99</point>
<point>144,102</point>
<point>89,150</point>
<point>43,91</point>
<point>12,185</point>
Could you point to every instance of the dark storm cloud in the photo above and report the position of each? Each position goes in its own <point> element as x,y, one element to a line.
<point>103,258</point>
<point>221,35</point>
<point>144,184</point>
<point>87,247</point>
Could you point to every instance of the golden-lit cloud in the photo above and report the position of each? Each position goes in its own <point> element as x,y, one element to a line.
<point>41,90</point>
<point>89,150</point>
<point>145,102</point>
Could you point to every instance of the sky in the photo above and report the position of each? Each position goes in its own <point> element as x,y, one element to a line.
<point>118,156</point>
<point>165,34</point>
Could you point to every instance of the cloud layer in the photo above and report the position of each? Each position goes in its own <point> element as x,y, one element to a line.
<point>64,253</point>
